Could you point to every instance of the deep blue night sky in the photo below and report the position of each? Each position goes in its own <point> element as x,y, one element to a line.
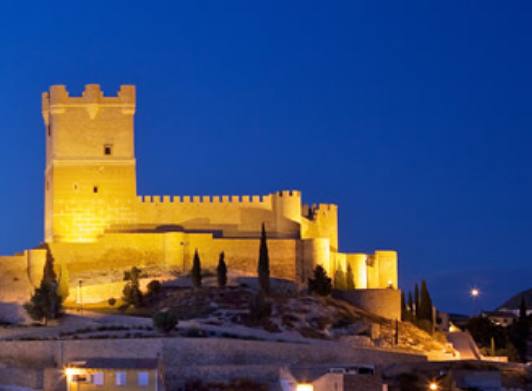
<point>415,117</point>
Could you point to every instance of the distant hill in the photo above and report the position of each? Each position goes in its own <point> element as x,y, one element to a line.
<point>515,301</point>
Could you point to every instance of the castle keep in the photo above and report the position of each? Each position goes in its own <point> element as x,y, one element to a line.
<point>95,220</point>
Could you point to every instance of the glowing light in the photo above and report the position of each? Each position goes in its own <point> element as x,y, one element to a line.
<point>304,387</point>
<point>474,292</point>
<point>453,328</point>
<point>433,386</point>
<point>70,372</point>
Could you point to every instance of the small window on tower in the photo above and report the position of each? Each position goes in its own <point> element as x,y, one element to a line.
<point>108,149</point>
<point>95,189</point>
<point>49,130</point>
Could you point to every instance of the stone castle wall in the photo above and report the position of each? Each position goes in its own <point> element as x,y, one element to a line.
<point>95,222</point>
<point>382,302</point>
<point>20,274</point>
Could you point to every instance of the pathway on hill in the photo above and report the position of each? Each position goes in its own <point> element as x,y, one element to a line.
<point>463,342</point>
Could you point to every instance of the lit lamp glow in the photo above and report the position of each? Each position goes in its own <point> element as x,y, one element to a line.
<point>304,387</point>
<point>69,372</point>
<point>433,386</point>
<point>475,292</point>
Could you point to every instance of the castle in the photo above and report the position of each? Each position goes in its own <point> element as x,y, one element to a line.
<point>95,220</point>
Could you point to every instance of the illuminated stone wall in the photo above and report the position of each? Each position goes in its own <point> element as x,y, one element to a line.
<point>20,274</point>
<point>383,302</point>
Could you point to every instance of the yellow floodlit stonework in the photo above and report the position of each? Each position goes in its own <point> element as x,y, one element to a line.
<point>96,221</point>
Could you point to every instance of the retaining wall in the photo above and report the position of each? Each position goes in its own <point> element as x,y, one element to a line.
<point>382,302</point>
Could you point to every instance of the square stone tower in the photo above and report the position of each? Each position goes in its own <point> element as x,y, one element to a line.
<point>90,176</point>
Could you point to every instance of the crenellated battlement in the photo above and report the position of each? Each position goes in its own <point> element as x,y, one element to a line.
<point>313,210</point>
<point>57,99</point>
<point>206,199</point>
<point>288,193</point>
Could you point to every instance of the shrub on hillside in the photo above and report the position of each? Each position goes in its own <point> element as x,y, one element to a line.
<point>320,284</point>
<point>164,321</point>
<point>131,293</point>
<point>154,287</point>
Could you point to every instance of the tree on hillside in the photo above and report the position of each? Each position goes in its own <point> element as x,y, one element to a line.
<point>350,278</point>
<point>340,280</point>
<point>221,271</point>
<point>519,331</point>
<point>425,303</point>
<point>263,267</point>
<point>196,270</point>
<point>404,310</point>
<point>416,302</point>
<point>410,307</point>
<point>131,294</point>
<point>46,303</point>
<point>522,309</point>
<point>320,283</point>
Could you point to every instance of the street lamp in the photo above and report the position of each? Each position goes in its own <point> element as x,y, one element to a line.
<point>434,386</point>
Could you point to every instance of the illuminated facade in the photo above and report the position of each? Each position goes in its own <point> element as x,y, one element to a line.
<point>95,219</point>
<point>108,374</point>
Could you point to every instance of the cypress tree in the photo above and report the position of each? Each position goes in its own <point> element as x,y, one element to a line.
<point>196,270</point>
<point>350,278</point>
<point>221,271</point>
<point>340,280</point>
<point>520,331</point>
<point>425,303</point>
<point>410,307</point>
<point>416,302</point>
<point>404,311</point>
<point>46,303</point>
<point>522,309</point>
<point>263,267</point>
<point>320,284</point>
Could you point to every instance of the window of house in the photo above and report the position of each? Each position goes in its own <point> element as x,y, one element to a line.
<point>120,378</point>
<point>143,378</point>
<point>76,187</point>
<point>108,149</point>
<point>95,189</point>
<point>97,378</point>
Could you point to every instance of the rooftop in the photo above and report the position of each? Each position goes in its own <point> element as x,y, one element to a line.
<point>115,363</point>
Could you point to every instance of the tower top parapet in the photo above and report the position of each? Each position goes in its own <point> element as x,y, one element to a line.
<point>57,99</point>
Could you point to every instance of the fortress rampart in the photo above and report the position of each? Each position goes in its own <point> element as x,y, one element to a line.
<point>95,221</point>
